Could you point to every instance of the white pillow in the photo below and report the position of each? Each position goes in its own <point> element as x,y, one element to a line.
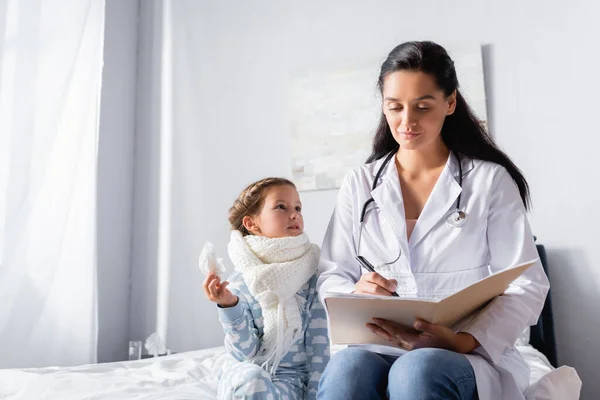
<point>562,383</point>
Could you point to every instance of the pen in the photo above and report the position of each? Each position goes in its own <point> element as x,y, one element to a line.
<point>367,265</point>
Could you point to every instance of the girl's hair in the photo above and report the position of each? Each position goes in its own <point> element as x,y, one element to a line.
<point>251,200</point>
<point>462,131</point>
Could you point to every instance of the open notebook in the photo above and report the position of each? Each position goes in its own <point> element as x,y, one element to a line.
<point>348,313</point>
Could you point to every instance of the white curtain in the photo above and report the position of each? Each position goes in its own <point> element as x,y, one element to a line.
<point>50,76</point>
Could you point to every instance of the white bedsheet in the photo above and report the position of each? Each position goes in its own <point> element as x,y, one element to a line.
<point>188,376</point>
<point>175,377</point>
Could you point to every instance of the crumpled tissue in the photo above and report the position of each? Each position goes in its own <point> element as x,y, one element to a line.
<point>208,261</point>
<point>155,345</point>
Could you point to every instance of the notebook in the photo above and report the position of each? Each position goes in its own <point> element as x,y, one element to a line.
<point>348,313</point>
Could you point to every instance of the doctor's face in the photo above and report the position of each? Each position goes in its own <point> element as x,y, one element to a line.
<point>415,108</point>
<point>280,215</point>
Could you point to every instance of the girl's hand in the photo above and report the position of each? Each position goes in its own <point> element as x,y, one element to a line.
<point>373,283</point>
<point>217,292</point>
<point>430,335</point>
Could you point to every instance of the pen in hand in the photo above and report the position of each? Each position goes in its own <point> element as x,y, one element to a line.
<point>367,265</point>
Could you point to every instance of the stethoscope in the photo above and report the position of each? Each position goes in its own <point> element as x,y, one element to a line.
<point>456,219</point>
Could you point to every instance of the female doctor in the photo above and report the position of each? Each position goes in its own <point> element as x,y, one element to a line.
<point>436,208</point>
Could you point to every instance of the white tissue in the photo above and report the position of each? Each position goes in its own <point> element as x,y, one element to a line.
<point>208,261</point>
<point>155,345</point>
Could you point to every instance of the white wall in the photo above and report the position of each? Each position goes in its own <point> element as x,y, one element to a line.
<point>231,65</point>
<point>115,177</point>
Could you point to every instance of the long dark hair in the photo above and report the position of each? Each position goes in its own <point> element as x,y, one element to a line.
<point>462,131</point>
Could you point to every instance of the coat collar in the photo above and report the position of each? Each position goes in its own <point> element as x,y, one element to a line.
<point>465,162</point>
<point>388,197</point>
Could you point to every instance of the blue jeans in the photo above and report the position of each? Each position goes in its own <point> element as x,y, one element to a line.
<point>423,374</point>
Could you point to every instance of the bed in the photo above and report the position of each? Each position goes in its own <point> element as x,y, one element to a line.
<point>188,375</point>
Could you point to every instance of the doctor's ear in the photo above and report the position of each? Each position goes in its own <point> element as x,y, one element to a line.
<point>251,225</point>
<point>451,103</point>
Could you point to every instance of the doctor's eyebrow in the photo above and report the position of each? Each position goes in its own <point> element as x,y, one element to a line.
<point>426,97</point>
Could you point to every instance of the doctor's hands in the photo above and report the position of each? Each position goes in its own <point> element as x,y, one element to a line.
<point>373,283</point>
<point>430,335</point>
<point>217,292</point>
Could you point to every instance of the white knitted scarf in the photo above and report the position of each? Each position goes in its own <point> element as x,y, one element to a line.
<point>274,269</point>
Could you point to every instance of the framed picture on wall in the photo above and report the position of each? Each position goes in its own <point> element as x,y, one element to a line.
<point>335,110</point>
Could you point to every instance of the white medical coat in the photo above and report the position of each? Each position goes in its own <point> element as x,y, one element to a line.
<point>440,259</point>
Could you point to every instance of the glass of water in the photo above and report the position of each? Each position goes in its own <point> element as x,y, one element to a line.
<point>135,350</point>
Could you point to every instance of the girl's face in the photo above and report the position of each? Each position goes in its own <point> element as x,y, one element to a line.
<point>415,108</point>
<point>280,216</point>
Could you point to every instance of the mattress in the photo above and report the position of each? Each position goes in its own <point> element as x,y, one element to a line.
<point>189,376</point>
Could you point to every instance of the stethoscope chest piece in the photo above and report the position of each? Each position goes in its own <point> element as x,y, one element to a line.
<point>457,218</point>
